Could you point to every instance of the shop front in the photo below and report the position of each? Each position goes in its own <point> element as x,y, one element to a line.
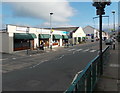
<point>56,40</point>
<point>65,39</point>
<point>23,41</point>
<point>83,39</point>
<point>45,39</point>
<point>79,40</point>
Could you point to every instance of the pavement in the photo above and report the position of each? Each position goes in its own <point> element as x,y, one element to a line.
<point>38,51</point>
<point>110,80</point>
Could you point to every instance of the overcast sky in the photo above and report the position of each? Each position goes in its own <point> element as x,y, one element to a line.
<point>37,14</point>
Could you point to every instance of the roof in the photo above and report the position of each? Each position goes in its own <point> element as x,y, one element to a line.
<point>90,27</point>
<point>68,29</point>
<point>17,25</point>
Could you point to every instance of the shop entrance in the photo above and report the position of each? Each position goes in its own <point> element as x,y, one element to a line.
<point>22,44</point>
<point>23,41</point>
<point>45,41</point>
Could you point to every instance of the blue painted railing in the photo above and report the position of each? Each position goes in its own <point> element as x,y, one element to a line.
<point>86,80</point>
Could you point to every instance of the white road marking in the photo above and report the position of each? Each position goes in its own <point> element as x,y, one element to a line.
<point>86,50</point>
<point>38,64</point>
<point>93,50</point>
<point>99,51</point>
<point>71,49</point>
<point>79,49</point>
<point>74,52</point>
<point>61,57</point>
<point>13,58</point>
<point>76,76</point>
<point>3,59</point>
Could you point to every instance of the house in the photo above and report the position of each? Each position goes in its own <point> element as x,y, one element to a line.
<point>93,33</point>
<point>78,36</point>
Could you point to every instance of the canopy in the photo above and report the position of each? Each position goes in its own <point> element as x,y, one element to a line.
<point>64,37</point>
<point>44,36</point>
<point>57,36</point>
<point>24,36</point>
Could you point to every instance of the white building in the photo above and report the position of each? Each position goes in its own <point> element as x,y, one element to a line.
<point>93,33</point>
<point>78,35</point>
<point>21,37</point>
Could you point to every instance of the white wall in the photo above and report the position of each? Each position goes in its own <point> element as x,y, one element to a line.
<point>60,42</point>
<point>4,42</point>
<point>96,33</point>
<point>78,33</point>
<point>11,29</point>
<point>11,42</point>
<point>36,40</point>
<point>0,44</point>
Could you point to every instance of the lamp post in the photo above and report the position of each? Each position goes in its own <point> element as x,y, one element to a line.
<point>51,36</point>
<point>113,21</point>
<point>28,41</point>
<point>100,5</point>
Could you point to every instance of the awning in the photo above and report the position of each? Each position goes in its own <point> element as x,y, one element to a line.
<point>83,37</point>
<point>24,36</point>
<point>44,36</point>
<point>57,36</point>
<point>79,38</point>
<point>64,37</point>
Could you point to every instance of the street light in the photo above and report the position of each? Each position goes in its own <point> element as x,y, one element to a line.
<point>51,36</point>
<point>113,21</point>
<point>100,5</point>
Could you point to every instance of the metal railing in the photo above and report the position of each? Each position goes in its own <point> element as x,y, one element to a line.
<point>86,80</point>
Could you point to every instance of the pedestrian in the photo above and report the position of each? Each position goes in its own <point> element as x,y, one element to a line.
<point>42,46</point>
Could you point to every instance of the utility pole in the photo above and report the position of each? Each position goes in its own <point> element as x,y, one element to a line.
<point>100,5</point>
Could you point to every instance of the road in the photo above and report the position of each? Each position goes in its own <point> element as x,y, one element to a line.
<point>51,71</point>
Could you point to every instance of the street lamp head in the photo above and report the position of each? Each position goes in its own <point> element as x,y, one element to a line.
<point>100,5</point>
<point>101,0</point>
<point>51,13</point>
<point>108,2</point>
<point>104,2</point>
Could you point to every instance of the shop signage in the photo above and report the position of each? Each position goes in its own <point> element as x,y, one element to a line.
<point>60,32</point>
<point>43,31</point>
<point>22,29</point>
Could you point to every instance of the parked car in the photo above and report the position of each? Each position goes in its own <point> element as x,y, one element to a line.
<point>108,41</point>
